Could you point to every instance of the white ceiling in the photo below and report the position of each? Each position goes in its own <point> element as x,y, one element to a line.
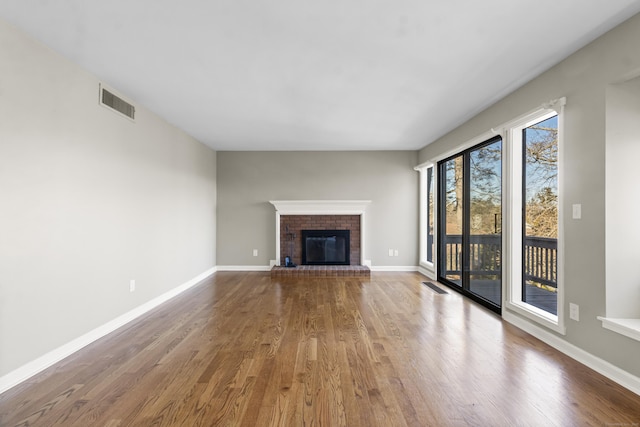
<point>316,75</point>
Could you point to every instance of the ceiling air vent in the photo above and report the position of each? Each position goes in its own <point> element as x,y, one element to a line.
<point>114,102</point>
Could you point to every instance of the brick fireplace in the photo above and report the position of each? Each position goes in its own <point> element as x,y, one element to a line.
<point>294,216</point>
<point>291,227</point>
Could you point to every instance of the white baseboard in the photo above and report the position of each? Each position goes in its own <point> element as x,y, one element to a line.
<point>244,268</point>
<point>28,370</point>
<point>408,268</point>
<point>393,268</point>
<point>601,366</point>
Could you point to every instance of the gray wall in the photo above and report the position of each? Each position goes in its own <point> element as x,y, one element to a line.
<point>90,201</point>
<point>583,78</point>
<point>622,176</point>
<point>248,180</point>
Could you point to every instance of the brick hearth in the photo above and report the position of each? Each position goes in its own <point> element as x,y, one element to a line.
<point>278,272</point>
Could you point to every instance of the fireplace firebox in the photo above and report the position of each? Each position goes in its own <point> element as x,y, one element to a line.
<point>325,247</point>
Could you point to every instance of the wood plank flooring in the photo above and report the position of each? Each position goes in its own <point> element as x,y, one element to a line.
<point>242,349</point>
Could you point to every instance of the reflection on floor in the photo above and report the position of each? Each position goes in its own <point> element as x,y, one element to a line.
<point>538,297</point>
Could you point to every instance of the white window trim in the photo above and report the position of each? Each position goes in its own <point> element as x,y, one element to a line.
<point>428,266</point>
<point>512,239</point>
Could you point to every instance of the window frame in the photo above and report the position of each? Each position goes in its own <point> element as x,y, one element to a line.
<point>428,266</point>
<point>431,213</point>
<point>465,283</point>
<point>513,238</point>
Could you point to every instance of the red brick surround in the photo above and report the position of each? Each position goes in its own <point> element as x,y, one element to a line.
<point>291,225</point>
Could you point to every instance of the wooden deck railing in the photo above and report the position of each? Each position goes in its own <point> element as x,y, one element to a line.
<point>540,257</point>
<point>541,260</point>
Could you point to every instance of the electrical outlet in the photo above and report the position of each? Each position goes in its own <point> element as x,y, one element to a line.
<point>132,285</point>
<point>390,252</point>
<point>255,252</point>
<point>574,312</point>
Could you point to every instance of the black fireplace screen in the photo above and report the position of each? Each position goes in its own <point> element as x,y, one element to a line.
<point>325,247</point>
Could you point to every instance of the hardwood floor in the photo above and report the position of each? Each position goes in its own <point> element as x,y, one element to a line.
<point>241,349</point>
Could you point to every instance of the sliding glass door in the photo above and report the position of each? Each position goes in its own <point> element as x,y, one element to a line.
<point>470,229</point>
<point>451,226</point>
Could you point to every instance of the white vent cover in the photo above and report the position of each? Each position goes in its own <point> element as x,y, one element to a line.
<point>110,100</point>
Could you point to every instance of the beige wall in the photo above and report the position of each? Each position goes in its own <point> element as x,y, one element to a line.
<point>248,180</point>
<point>89,201</point>
<point>583,78</point>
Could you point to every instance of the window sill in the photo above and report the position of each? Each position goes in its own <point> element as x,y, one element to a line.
<point>539,316</point>
<point>627,327</point>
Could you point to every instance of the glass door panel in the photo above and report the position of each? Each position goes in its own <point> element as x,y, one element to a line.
<point>485,222</point>
<point>451,211</point>
<point>470,223</point>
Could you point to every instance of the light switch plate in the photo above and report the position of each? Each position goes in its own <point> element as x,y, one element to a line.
<point>574,312</point>
<point>577,211</point>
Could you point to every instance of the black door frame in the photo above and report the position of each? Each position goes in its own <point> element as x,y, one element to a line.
<point>466,229</point>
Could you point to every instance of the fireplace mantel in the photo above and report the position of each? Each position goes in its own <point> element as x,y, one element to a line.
<point>321,207</point>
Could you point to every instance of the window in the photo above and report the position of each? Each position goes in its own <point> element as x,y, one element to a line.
<point>534,274</point>
<point>540,214</point>
<point>430,214</point>
<point>428,223</point>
